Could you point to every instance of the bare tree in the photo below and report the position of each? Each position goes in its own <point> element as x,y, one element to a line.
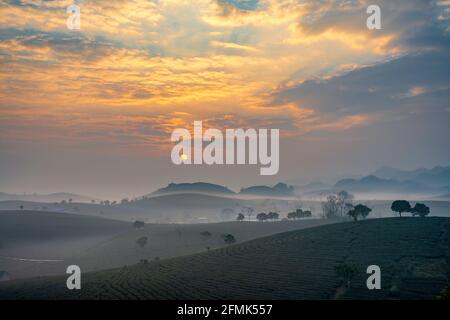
<point>343,200</point>
<point>330,207</point>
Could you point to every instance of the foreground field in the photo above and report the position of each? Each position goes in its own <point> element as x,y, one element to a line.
<point>413,254</point>
<point>40,243</point>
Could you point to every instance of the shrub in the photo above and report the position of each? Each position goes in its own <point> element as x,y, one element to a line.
<point>142,241</point>
<point>205,234</point>
<point>228,238</point>
<point>346,272</point>
<point>138,224</point>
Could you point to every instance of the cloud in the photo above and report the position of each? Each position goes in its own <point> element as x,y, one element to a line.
<point>298,65</point>
<point>419,78</point>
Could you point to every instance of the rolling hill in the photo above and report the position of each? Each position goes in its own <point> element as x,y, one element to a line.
<point>202,187</point>
<point>52,235</point>
<point>413,254</point>
<point>164,241</point>
<point>280,189</point>
<point>52,197</point>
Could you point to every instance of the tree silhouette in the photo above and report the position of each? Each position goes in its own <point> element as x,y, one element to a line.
<point>228,238</point>
<point>420,209</point>
<point>343,199</point>
<point>359,210</point>
<point>331,207</point>
<point>261,216</point>
<point>138,224</point>
<point>401,206</point>
<point>273,216</point>
<point>240,217</point>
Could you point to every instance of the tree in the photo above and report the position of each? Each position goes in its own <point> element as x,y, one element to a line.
<point>401,206</point>
<point>359,210</point>
<point>343,199</point>
<point>248,211</point>
<point>124,201</point>
<point>346,272</point>
<point>299,213</point>
<point>228,238</point>
<point>205,235</point>
<point>330,208</point>
<point>261,216</point>
<point>138,224</point>
<point>240,217</point>
<point>21,207</point>
<point>420,209</point>
<point>273,216</point>
<point>142,241</point>
<point>306,214</point>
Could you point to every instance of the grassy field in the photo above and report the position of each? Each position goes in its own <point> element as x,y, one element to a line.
<point>413,254</point>
<point>48,242</point>
<point>35,233</point>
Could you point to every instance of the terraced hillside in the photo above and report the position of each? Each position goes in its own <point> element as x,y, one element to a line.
<point>413,254</point>
<point>163,241</point>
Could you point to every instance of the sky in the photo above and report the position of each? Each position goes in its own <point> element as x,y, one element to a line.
<point>91,111</point>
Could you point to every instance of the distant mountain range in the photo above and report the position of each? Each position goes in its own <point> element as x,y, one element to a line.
<point>52,197</point>
<point>433,183</point>
<point>280,189</point>
<point>374,184</point>
<point>386,181</point>
<point>435,177</point>
<point>200,187</point>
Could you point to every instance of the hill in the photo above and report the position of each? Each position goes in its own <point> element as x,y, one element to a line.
<point>413,255</point>
<point>437,176</point>
<point>201,187</point>
<point>52,235</point>
<point>163,241</point>
<point>52,197</point>
<point>280,189</point>
<point>373,184</point>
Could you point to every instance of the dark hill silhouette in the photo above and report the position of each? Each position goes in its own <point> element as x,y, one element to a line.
<point>280,189</point>
<point>201,187</point>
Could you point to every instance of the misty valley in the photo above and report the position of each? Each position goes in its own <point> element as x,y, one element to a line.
<point>185,229</point>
